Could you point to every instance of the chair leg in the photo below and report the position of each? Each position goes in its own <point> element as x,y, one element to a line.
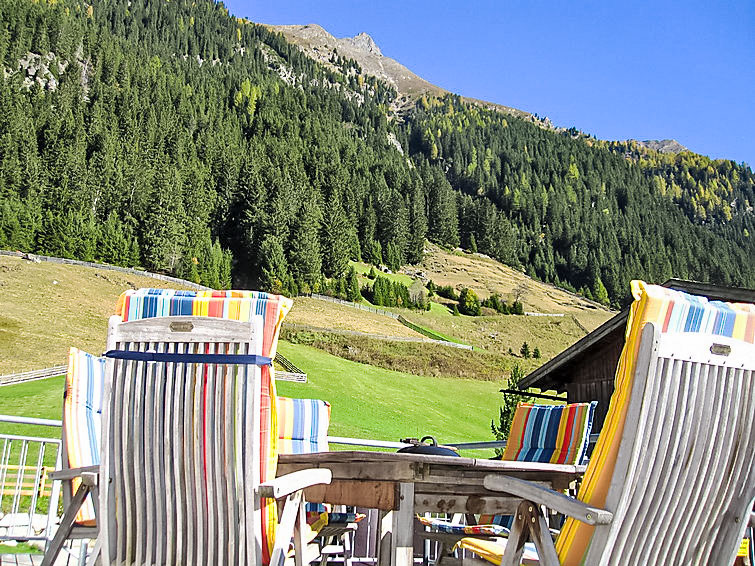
<point>541,536</point>
<point>517,537</point>
<point>299,542</point>
<point>83,547</point>
<point>96,551</point>
<point>66,524</point>
<point>348,548</point>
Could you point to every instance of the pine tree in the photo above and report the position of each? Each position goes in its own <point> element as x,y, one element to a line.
<point>352,286</point>
<point>510,401</point>
<point>525,350</point>
<point>305,261</point>
<point>275,275</point>
<point>334,238</point>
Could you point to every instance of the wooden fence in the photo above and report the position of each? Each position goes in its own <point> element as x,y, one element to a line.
<point>20,377</point>
<point>107,267</point>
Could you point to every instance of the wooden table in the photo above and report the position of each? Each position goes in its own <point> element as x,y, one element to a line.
<point>409,483</point>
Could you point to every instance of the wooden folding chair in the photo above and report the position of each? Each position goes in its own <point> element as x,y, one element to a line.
<point>181,463</point>
<point>682,486</point>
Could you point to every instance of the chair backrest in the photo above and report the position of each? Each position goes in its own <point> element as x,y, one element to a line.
<point>684,480</point>
<point>558,434</point>
<point>82,421</point>
<point>302,425</point>
<point>231,305</point>
<point>181,459</point>
<point>673,312</point>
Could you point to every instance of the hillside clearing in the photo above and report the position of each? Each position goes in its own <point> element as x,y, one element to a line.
<point>324,314</point>
<point>486,276</point>
<point>47,307</point>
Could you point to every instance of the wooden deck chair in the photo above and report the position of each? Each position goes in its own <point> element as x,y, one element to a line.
<point>148,303</point>
<point>81,440</point>
<point>303,429</point>
<point>232,305</point>
<point>181,471</point>
<point>672,478</point>
<point>557,434</point>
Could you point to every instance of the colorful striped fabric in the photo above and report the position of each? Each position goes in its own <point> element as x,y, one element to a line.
<point>447,527</point>
<point>675,312</point>
<point>82,413</point>
<point>233,305</point>
<point>303,429</point>
<point>302,425</point>
<point>558,434</point>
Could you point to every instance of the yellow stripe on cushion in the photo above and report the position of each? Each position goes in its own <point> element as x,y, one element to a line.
<point>492,549</point>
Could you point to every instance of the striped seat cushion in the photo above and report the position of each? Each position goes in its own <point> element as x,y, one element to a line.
<point>303,429</point>
<point>539,433</point>
<point>82,412</point>
<point>302,425</point>
<point>558,434</point>
<point>232,305</point>
<point>674,312</point>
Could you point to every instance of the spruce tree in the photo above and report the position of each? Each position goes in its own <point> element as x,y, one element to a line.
<point>305,261</point>
<point>352,286</point>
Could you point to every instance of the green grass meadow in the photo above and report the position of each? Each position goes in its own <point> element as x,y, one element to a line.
<point>371,402</point>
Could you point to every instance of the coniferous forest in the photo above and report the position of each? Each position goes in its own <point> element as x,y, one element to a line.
<point>170,135</point>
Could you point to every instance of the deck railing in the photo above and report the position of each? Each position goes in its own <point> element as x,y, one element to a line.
<point>28,498</point>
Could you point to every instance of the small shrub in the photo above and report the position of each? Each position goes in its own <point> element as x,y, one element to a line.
<point>469,304</point>
<point>448,292</point>
<point>506,411</point>
<point>525,350</point>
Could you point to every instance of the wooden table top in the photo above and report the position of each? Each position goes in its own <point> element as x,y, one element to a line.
<point>441,483</point>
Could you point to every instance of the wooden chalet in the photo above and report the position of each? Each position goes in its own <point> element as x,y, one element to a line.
<point>586,370</point>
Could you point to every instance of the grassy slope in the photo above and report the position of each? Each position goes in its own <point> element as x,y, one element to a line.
<point>47,307</point>
<point>370,402</point>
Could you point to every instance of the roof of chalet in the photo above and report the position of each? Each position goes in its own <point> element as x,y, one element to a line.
<point>559,370</point>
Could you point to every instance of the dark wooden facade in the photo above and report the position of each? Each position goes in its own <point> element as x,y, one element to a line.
<point>586,370</point>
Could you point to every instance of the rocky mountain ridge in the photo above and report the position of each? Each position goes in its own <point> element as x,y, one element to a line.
<point>663,146</point>
<point>320,45</point>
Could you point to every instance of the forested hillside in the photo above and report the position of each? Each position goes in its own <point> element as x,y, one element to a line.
<point>172,135</point>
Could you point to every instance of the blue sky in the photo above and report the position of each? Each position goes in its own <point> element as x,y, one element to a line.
<point>618,70</point>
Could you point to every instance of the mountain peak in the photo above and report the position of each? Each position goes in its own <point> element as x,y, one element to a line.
<point>364,42</point>
<point>663,146</point>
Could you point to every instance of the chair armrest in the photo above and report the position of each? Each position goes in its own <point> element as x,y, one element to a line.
<point>551,499</point>
<point>295,481</point>
<point>71,473</point>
